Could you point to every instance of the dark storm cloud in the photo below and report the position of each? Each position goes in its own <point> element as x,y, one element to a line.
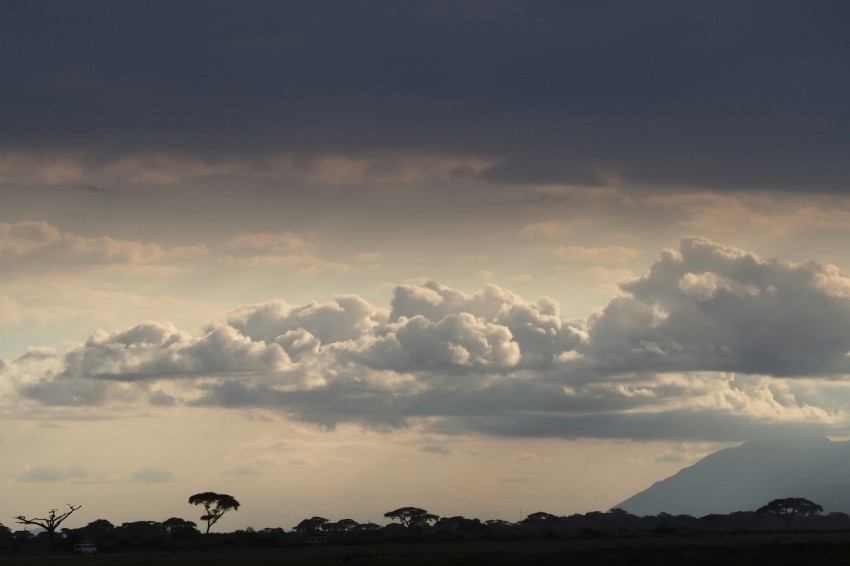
<point>724,94</point>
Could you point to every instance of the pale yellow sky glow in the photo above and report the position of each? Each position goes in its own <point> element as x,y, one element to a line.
<point>156,367</point>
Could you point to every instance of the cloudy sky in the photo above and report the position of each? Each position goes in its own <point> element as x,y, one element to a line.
<point>485,258</point>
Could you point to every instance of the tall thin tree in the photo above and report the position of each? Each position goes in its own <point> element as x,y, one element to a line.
<point>215,505</point>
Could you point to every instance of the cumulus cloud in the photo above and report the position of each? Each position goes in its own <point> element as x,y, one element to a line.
<point>345,318</point>
<point>160,350</point>
<point>66,392</point>
<point>537,328</point>
<point>700,347</point>
<point>711,307</point>
<point>457,340</point>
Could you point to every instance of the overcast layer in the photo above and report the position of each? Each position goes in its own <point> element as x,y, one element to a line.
<point>720,94</point>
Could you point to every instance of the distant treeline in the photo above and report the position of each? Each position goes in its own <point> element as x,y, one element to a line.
<point>177,533</point>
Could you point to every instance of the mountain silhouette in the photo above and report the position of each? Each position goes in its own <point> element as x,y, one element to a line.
<point>746,477</point>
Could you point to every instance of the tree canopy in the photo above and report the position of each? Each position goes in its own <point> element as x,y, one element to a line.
<point>215,505</point>
<point>541,516</point>
<point>411,517</point>
<point>790,507</point>
<point>175,524</point>
<point>311,525</point>
<point>343,525</point>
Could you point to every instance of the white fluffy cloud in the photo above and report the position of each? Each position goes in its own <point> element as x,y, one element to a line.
<point>688,350</point>
<point>456,340</point>
<point>712,307</point>
<point>537,328</point>
<point>344,318</point>
<point>160,350</point>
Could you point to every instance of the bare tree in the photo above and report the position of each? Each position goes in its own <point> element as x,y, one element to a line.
<point>49,523</point>
<point>215,505</point>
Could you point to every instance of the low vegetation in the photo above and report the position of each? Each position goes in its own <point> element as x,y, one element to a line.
<point>412,527</point>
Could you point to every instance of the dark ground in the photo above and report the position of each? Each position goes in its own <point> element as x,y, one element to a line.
<point>803,548</point>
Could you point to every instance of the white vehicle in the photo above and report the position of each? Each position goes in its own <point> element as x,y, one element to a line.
<point>85,548</point>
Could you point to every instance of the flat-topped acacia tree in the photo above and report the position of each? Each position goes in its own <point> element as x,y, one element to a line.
<point>790,507</point>
<point>215,505</point>
<point>411,517</point>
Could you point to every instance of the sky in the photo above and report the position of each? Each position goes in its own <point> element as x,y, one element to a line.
<point>483,258</point>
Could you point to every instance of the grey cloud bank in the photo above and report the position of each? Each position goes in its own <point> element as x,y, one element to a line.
<point>716,94</point>
<point>702,346</point>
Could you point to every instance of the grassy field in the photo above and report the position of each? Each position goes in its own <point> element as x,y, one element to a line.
<point>772,549</point>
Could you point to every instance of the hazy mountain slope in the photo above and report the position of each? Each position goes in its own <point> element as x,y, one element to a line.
<point>748,476</point>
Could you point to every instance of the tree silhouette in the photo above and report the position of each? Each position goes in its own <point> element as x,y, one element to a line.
<point>49,523</point>
<point>180,529</point>
<point>215,505</point>
<point>142,530</point>
<point>540,516</point>
<point>411,517</point>
<point>176,524</point>
<point>341,526</point>
<point>790,507</point>
<point>98,529</point>
<point>311,525</point>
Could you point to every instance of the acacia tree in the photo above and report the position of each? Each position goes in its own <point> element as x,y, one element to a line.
<point>540,516</point>
<point>790,507</point>
<point>310,526</point>
<point>49,523</point>
<point>215,505</point>
<point>411,517</point>
<point>341,526</point>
